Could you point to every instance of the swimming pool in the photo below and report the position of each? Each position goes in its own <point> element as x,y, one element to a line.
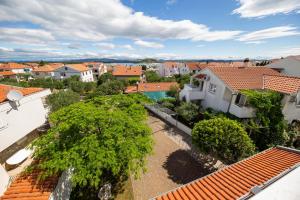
<point>156,95</point>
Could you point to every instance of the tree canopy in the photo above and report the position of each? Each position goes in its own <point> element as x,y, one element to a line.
<point>102,139</point>
<point>189,112</point>
<point>223,137</point>
<point>268,127</point>
<point>61,99</point>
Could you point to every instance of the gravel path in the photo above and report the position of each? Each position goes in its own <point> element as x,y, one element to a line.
<point>170,166</point>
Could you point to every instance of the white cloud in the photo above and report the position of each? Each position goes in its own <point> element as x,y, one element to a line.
<point>171,2</point>
<point>83,20</point>
<point>147,44</point>
<point>286,51</point>
<point>274,32</point>
<point>127,46</point>
<point>25,36</point>
<point>261,8</point>
<point>106,46</point>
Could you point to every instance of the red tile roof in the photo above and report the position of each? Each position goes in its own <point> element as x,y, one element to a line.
<point>237,180</point>
<point>46,68</point>
<point>151,87</point>
<point>171,64</point>
<point>4,89</point>
<point>10,66</point>
<point>27,187</point>
<point>195,65</point>
<point>121,70</point>
<point>78,67</point>
<point>238,78</point>
<point>281,83</point>
<point>7,73</point>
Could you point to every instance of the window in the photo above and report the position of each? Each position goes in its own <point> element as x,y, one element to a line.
<point>240,100</point>
<point>62,74</point>
<point>212,88</point>
<point>66,68</point>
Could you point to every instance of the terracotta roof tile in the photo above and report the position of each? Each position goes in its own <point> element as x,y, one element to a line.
<point>281,83</point>
<point>78,67</point>
<point>238,78</point>
<point>27,186</point>
<point>236,180</point>
<point>121,70</point>
<point>46,68</point>
<point>4,89</point>
<point>7,73</point>
<point>13,66</point>
<point>195,65</point>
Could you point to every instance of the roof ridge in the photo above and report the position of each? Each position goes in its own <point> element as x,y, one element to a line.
<point>282,75</point>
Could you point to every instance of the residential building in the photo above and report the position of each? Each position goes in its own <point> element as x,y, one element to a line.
<point>289,65</point>
<point>68,70</point>
<point>17,118</point>
<point>168,69</point>
<point>8,74</point>
<point>46,71</point>
<point>191,68</point>
<point>122,72</point>
<point>15,68</point>
<point>151,87</point>
<point>218,88</point>
<point>98,68</point>
<point>271,174</point>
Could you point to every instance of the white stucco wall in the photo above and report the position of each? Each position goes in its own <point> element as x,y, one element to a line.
<point>4,177</point>
<point>84,76</point>
<point>18,123</point>
<point>290,110</point>
<point>215,100</point>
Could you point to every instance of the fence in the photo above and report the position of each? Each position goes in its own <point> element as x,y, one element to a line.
<point>165,114</point>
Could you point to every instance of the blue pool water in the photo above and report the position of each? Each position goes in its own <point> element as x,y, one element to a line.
<point>156,95</point>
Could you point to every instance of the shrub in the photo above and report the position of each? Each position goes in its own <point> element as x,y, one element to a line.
<point>189,112</point>
<point>223,137</point>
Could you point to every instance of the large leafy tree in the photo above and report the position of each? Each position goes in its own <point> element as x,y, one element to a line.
<point>61,99</point>
<point>268,127</point>
<point>103,140</point>
<point>223,137</point>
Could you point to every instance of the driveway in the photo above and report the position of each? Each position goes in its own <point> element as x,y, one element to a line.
<point>169,167</point>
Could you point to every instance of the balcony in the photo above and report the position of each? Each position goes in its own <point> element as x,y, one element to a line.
<point>191,92</point>
<point>242,111</point>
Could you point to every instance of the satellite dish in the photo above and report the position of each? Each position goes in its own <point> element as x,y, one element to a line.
<point>14,95</point>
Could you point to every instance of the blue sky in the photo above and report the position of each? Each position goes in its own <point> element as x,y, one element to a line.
<point>169,29</point>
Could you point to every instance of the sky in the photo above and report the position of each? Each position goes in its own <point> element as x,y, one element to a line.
<point>136,29</point>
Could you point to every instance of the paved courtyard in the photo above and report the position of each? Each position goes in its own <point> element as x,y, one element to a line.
<point>169,167</point>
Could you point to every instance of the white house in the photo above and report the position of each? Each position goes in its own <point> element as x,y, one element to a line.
<point>46,71</point>
<point>18,122</point>
<point>288,66</point>
<point>98,68</point>
<point>16,68</point>
<point>68,70</point>
<point>17,119</point>
<point>218,88</point>
<point>168,69</point>
<point>191,68</point>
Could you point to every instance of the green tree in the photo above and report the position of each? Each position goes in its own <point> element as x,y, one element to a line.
<point>61,99</point>
<point>173,92</point>
<point>183,79</point>
<point>152,76</point>
<point>223,137</point>
<point>42,63</point>
<point>109,88</point>
<point>189,112</point>
<point>99,140</point>
<point>105,77</point>
<point>268,127</point>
